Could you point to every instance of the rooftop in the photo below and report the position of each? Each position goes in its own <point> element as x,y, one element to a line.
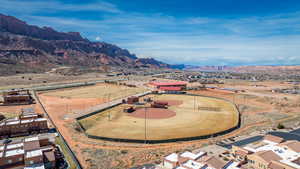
<point>170,88</point>
<point>14,152</point>
<point>172,157</point>
<point>13,146</point>
<point>31,139</point>
<point>274,165</point>
<point>26,121</point>
<point>274,139</point>
<point>29,115</point>
<point>293,145</point>
<point>272,149</point>
<point>168,83</point>
<point>13,122</point>
<point>16,95</point>
<point>192,156</point>
<point>2,148</point>
<point>49,155</point>
<point>34,153</point>
<point>233,165</point>
<point>31,145</point>
<point>215,162</point>
<point>28,110</point>
<point>35,166</point>
<point>193,164</point>
<point>269,156</point>
<point>40,119</point>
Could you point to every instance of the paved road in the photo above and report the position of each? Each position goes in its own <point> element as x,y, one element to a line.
<point>242,142</point>
<point>297,131</point>
<point>286,136</point>
<point>64,85</point>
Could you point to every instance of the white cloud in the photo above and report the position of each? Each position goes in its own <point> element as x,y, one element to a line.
<point>193,40</point>
<point>27,6</point>
<point>98,38</point>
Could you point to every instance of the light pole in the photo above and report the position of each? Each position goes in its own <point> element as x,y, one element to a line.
<point>145,125</point>
<point>194,103</point>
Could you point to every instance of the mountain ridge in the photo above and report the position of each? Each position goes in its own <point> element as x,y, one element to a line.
<point>34,47</point>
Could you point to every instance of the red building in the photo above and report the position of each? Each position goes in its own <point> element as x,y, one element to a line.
<point>159,104</point>
<point>132,100</point>
<point>17,97</point>
<point>169,85</point>
<point>170,88</point>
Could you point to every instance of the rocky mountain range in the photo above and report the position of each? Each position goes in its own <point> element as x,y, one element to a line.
<point>28,48</point>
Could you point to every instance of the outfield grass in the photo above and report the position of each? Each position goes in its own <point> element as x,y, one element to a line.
<point>188,122</point>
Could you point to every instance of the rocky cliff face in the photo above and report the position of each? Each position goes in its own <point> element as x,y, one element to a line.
<point>16,26</point>
<point>150,62</point>
<point>35,47</point>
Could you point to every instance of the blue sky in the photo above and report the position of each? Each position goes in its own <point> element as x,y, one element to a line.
<point>195,32</point>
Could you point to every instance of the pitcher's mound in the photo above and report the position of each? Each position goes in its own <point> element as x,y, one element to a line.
<point>153,113</point>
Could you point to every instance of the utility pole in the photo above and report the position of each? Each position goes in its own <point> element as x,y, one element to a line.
<point>109,113</point>
<point>67,108</point>
<point>194,103</point>
<point>145,125</point>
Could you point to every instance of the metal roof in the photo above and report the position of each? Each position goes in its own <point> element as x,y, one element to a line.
<point>168,83</point>
<point>170,88</point>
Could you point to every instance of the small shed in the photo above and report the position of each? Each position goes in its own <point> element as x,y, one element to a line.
<point>159,104</point>
<point>132,100</point>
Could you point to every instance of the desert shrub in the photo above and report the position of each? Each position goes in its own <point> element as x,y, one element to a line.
<point>280,126</point>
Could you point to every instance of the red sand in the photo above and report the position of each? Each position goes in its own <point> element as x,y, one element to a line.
<point>153,113</point>
<point>172,102</point>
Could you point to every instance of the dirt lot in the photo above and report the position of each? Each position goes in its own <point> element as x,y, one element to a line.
<point>188,122</point>
<point>14,111</point>
<point>99,91</point>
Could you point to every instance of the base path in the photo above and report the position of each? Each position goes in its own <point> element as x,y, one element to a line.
<point>153,113</point>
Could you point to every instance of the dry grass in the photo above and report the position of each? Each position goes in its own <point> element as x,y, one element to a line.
<point>14,111</point>
<point>105,91</point>
<point>188,121</point>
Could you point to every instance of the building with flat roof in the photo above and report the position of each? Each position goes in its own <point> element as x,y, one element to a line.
<point>173,86</point>
<point>27,122</point>
<point>200,160</point>
<point>31,153</point>
<point>15,97</point>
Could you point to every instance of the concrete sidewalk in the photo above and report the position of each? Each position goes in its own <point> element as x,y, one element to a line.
<point>79,113</point>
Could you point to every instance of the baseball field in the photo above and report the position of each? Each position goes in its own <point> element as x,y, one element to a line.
<point>186,116</point>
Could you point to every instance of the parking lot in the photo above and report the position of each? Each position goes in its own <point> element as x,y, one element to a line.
<point>292,135</point>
